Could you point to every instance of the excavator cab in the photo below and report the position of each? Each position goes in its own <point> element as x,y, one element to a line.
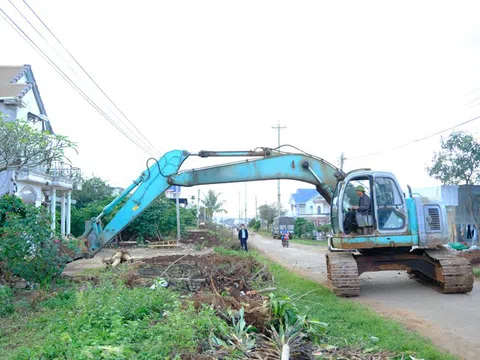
<point>385,219</point>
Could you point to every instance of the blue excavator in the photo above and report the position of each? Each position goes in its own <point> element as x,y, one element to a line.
<point>395,232</point>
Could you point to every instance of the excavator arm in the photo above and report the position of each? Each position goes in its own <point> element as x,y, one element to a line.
<point>165,172</point>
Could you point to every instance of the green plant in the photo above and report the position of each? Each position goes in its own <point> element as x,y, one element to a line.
<point>27,248</point>
<point>212,204</point>
<point>6,301</point>
<point>303,228</point>
<point>257,225</point>
<point>240,337</point>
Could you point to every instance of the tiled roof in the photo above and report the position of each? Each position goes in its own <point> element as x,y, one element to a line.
<point>303,195</point>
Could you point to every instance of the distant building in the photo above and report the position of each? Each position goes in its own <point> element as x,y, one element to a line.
<point>309,204</point>
<point>48,185</point>
<point>170,193</point>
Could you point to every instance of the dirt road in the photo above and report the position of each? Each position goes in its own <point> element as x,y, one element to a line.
<point>451,321</point>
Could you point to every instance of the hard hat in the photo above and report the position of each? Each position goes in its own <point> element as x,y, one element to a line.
<point>360,188</point>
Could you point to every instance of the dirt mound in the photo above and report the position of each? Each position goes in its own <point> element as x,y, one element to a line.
<point>473,256</point>
<point>212,272</point>
<point>200,237</point>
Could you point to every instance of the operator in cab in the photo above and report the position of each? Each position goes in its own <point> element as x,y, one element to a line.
<point>364,207</point>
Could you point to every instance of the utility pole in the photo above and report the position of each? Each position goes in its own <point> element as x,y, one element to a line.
<point>246,203</point>
<point>239,209</point>
<point>342,160</point>
<point>279,128</point>
<point>177,200</point>
<point>198,209</point>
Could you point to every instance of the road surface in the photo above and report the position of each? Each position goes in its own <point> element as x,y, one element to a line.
<point>451,321</point>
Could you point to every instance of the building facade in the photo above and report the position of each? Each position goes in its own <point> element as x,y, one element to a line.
<point>50,185</point>
<point>309,204</point>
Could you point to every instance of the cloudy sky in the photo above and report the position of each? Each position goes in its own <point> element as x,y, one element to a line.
<point>353,77</point>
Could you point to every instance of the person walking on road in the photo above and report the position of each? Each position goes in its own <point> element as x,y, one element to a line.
<point>243,237</point>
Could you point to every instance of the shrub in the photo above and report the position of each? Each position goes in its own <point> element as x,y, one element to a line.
<point>27,248</point>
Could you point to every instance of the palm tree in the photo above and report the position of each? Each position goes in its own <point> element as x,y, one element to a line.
<point>212,204</point>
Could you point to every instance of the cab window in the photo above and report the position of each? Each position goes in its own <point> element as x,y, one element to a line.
<point>390,204</point>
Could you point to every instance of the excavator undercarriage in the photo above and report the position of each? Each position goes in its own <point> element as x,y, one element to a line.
<point>436,268</point>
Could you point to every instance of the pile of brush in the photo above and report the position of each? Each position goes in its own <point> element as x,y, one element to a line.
<point>120,256</point>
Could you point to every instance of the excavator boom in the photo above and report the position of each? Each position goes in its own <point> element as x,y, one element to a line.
<point>165,172</point>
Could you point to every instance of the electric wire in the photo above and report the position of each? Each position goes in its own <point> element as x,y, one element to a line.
<point>416,140</point>
<point>89,76</point>
<point>25,36</point>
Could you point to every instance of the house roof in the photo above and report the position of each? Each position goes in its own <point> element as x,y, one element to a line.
<point>10,88</point>
<point>9,75</point>
<point>303,195</point>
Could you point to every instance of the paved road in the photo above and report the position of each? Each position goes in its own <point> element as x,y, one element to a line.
<point>451,321</point>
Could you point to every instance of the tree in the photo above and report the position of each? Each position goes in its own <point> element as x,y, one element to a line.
<point>303,227</point>
<point>212,204</point>
<point>94,189</point>
<point>457,163</point>
<point>269,212</point>
<point>251,223</point>
<point>159,219</point>
<point>22,146</point>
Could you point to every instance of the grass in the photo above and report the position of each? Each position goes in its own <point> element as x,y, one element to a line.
<point>108,321</point>
<point>309,242</point>
<point>476,272</point>
<point>112,321</point>
<point>350,323</point>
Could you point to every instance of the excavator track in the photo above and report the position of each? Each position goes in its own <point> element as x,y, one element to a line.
<point>342,274</point>
<point>454,274</point>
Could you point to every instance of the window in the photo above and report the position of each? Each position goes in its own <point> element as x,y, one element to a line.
<point>311,209</point>
<point>390,205</point>
<point>301,209</point>
<point>319,210</point>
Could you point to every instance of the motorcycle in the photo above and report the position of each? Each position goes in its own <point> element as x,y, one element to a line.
<point>285,238</point>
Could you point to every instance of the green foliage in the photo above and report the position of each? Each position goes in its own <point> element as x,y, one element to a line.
<point>87,212</point>
<point>251,223</point>
<point>10,204</point>
<point>27,248</point>
<point>269,212</point>
<point>212,204</point>
<point>22,146</point>
<point>257,225</point>
<point>458,161</point>
<point>476,272</point>
<point>160,219</point>
<point>6,301</point>
<point>303,228</point>
<point>93,190</point>
<point>110,321</point>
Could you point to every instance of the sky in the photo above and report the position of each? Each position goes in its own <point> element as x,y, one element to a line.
<point>343,77</point>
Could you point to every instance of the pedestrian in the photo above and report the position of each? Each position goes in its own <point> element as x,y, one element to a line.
<point>243,237</point>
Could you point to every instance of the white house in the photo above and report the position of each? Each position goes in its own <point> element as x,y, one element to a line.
<point>47,185</point>
<point>309,204</point>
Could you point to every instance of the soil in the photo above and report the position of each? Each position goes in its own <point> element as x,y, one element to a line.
<point>201,237</point>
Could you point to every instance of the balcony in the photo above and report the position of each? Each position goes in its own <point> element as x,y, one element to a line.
<point>58,176</point>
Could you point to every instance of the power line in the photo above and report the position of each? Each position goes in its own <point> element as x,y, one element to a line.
<point>25,36</point>
<point>89,76</point>
<point>417,140</point>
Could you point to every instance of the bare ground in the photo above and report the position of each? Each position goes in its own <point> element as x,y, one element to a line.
<point>450,321</point>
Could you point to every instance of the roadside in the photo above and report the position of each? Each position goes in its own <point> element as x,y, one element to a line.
<point>189,304</point>
<point>451,321</point>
